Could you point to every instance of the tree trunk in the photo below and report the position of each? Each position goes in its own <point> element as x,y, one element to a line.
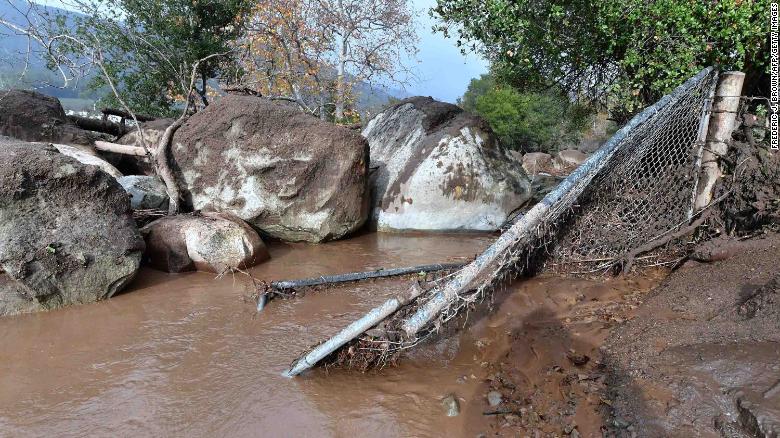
<point>340,81</point>
<point>203,92</point>
<point>99,125</point>
<point>120,148</point>
<point>163,167</point>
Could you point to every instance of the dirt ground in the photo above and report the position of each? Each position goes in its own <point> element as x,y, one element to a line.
<point>698,355</point>
<point>702,355</point>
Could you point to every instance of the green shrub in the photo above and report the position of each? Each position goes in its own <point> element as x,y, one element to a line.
<point>529,122</point>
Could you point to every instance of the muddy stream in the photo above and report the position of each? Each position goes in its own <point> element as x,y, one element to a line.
<point>187,355</point>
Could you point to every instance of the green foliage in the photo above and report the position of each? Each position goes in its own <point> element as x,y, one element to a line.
<point>150,46</point>
<point>531,122</point>
<point>477,87</point>
<point>625,53</point>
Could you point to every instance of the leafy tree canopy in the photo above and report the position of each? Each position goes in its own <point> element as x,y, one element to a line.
<point>623,53</point>
<point>150,46</point>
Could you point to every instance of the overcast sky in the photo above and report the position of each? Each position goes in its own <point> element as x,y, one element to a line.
<point>442,71</point>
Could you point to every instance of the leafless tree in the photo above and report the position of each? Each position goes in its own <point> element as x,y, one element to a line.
<point>372,39</point>
<point>76,55</point>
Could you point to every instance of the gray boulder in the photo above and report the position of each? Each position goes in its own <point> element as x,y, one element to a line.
<point>291,175</point>
<point>67,235</point>
<point>32,116</point>
<point>211,242</point>
<point>569,159</point>
<point>437,167</point>
<point>146,192</point>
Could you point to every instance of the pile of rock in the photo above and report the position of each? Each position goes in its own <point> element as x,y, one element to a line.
<point>563,163</point>
<point>245,165</point>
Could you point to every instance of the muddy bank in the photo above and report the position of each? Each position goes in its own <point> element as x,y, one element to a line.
<point>539,352</point>
<point>702,357</point>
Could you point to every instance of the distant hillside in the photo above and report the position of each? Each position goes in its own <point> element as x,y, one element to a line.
<point>13,57</point>
<point>370,100</point>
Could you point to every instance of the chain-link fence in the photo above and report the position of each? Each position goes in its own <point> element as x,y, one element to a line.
<point>637,188</point>
<point>645,193</point>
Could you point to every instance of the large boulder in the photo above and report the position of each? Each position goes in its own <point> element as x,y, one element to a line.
<point>82,153</point>
<point>437,167</point>
<point>67,235</point>
<point>32,116</point>
<point>146,192</point>
<point>291,175</point>
<point>211,242</point>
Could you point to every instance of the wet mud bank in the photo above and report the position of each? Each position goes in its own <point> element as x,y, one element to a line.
<point>702,356</point>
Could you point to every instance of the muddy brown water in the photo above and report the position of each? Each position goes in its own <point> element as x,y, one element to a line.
<point>187,355</point>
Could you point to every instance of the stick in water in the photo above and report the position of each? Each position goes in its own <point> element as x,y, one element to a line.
<point>278,286</point>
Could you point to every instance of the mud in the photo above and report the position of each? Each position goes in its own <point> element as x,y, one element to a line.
<point>702,357</point>
<point>751,187</point>
<point>187,355</point>
<point>540,351</point>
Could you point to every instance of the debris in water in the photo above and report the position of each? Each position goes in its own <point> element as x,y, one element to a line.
<point>494,398</point>
<point>451,405</point>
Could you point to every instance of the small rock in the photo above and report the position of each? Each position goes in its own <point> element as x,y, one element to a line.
<point>494,398</point>
<point>569,159</point>
<point>574,433</point>
<point>146,192</point>
<point>210,242</point>
<point>451,406</point>
<point>577,358</point>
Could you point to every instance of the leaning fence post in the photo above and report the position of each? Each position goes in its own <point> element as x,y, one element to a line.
<point>724,114</point>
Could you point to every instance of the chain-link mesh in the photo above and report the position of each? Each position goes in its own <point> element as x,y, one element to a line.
<point>640,186</point>
<point>646,192</point>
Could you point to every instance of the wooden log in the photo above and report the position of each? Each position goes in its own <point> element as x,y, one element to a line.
<point>97,125</point>
<point>125,115</point>
<point>120,148</point>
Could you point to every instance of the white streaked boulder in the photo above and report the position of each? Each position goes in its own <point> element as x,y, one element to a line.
<point>438,168</point>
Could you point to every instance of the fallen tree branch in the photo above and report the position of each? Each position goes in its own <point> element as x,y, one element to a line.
<point>120,148</point>
<point>628,259</point>
<point>277,288</point>
<point>372,318</point>
<point>97,125</point>
<point>125,115</point>
<point>357,276</point>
